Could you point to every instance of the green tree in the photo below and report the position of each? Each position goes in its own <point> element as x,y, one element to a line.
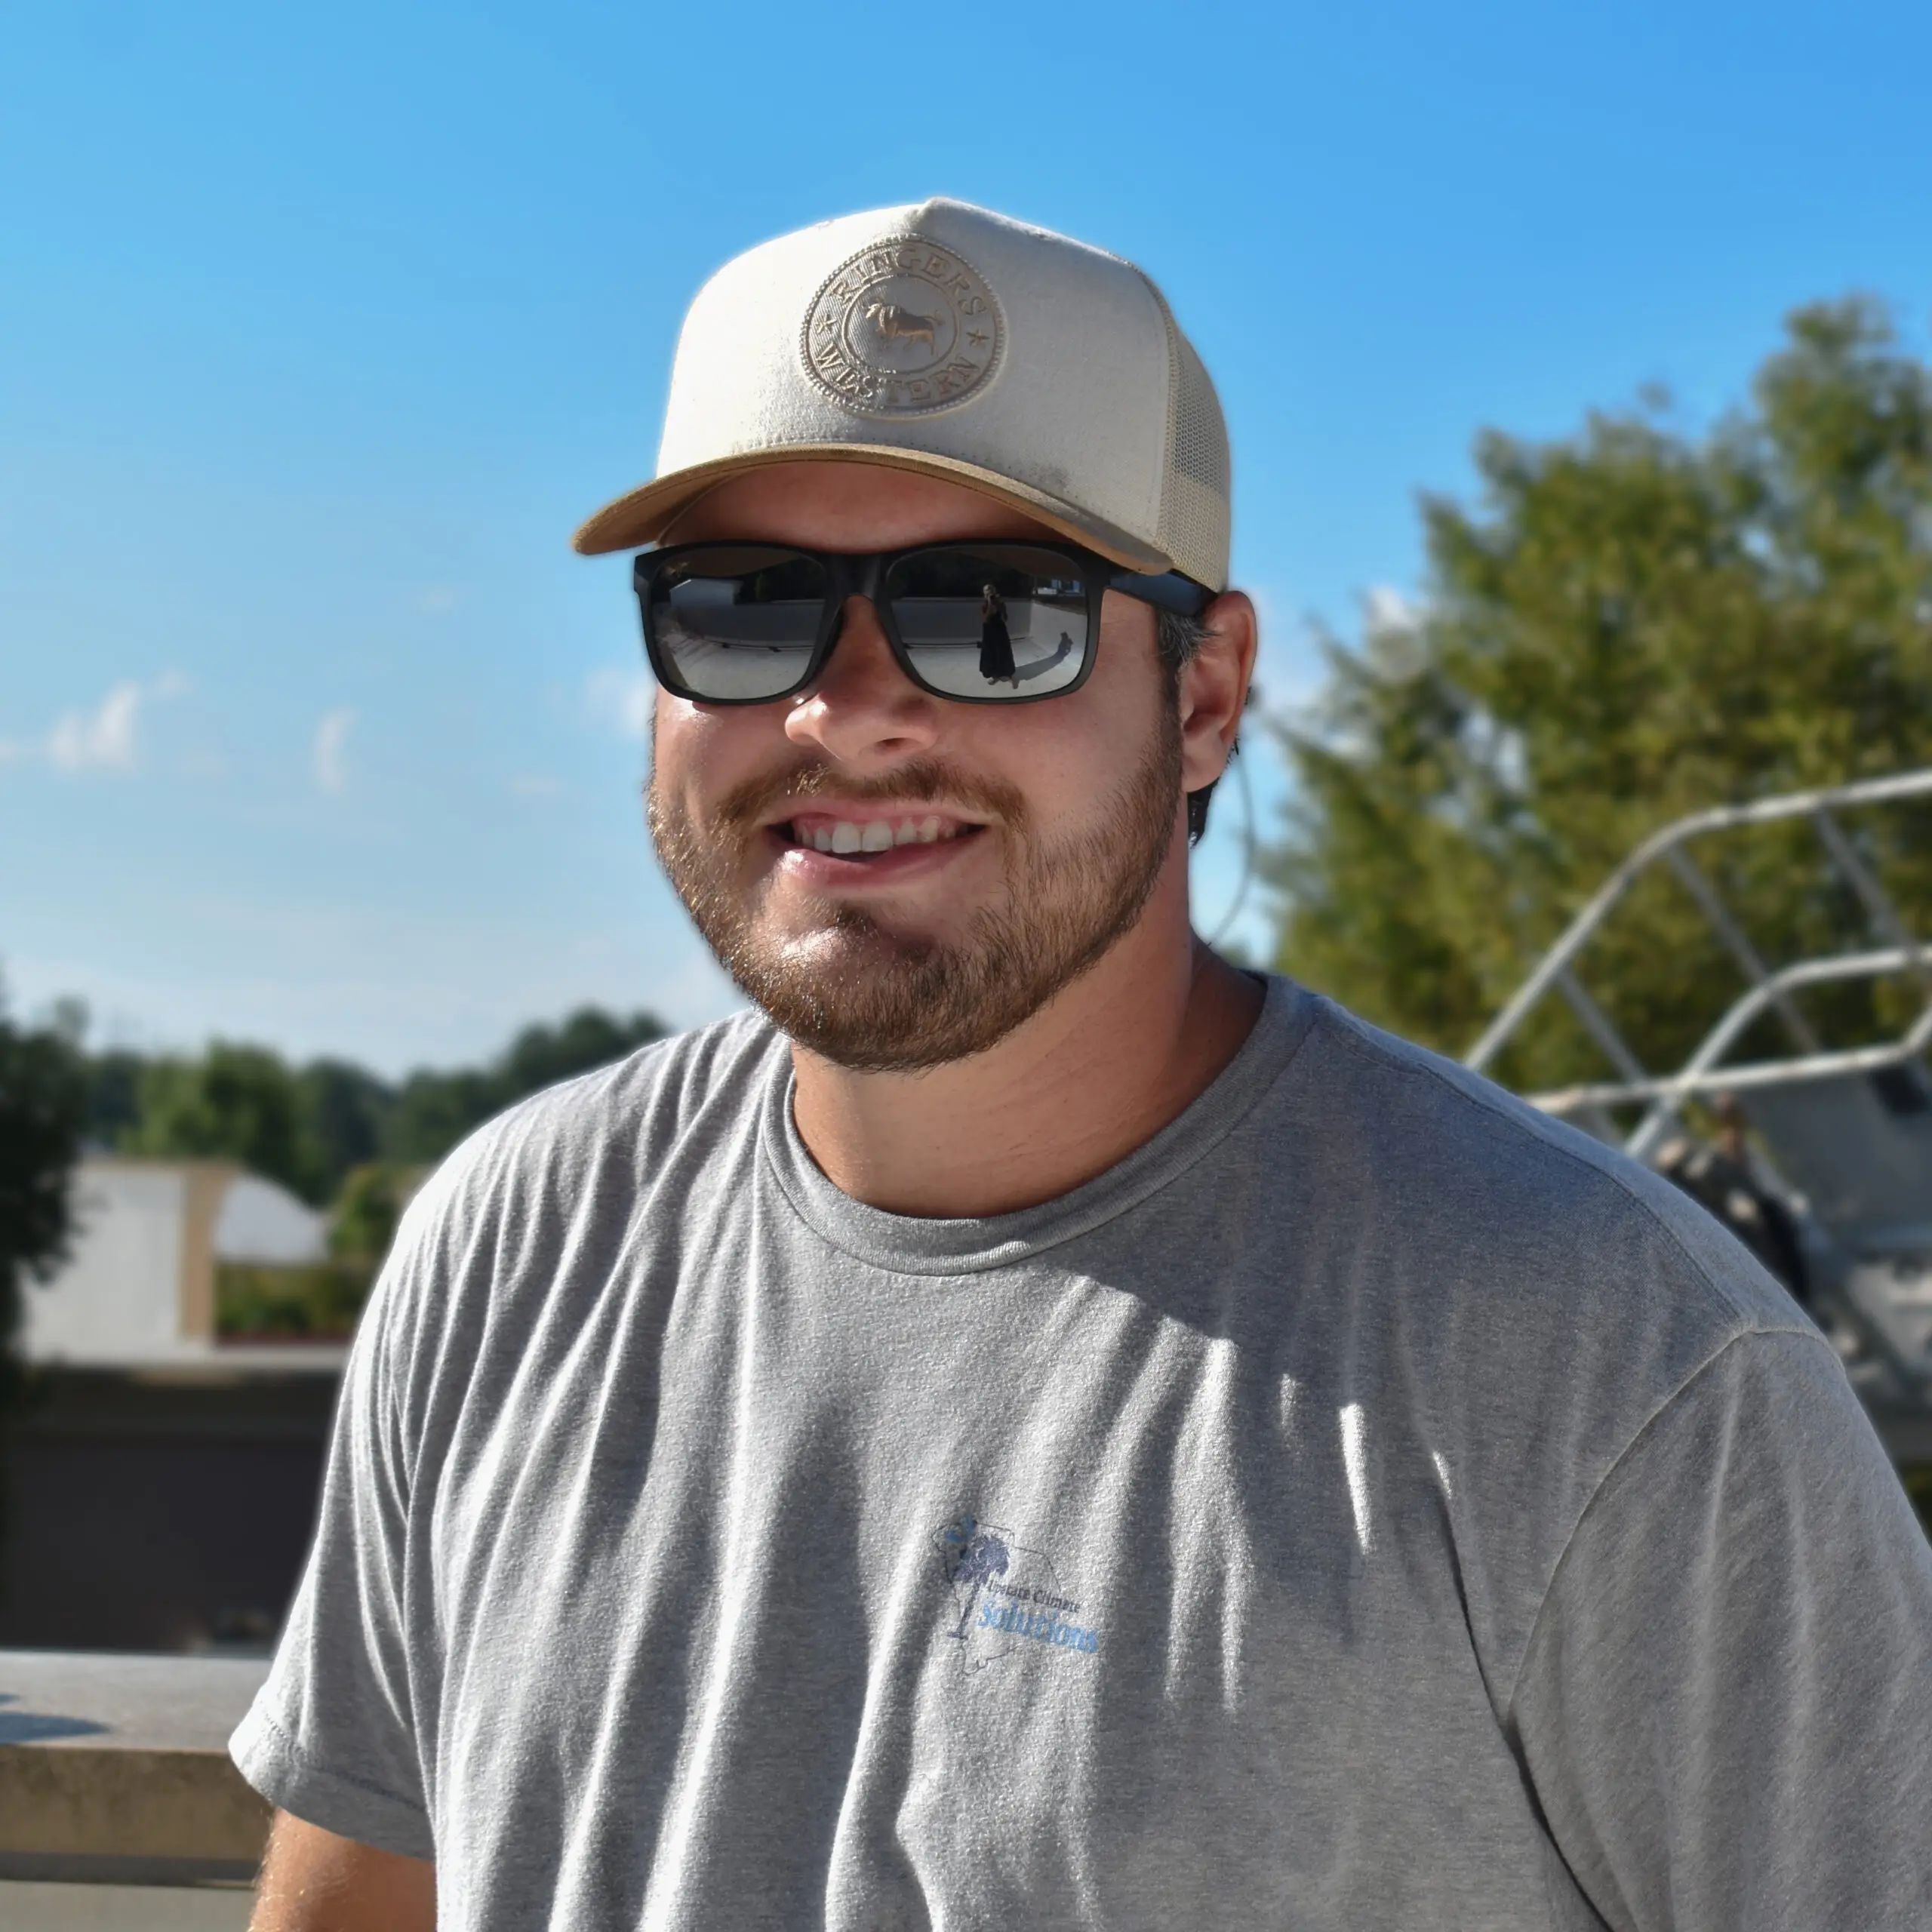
<point>434,1110</point>
<point>312,1127</point>
<point>371,1204</point>
<point>43,1103</point>
<point>342,1110</point>
<point>235,1103</point>
<point>540,1056</point>
<point>43,1098</point>
<point>1634,623</point>
<point>114,1094</point>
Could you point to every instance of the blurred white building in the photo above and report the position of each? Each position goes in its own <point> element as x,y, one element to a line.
<point>138,1287</point>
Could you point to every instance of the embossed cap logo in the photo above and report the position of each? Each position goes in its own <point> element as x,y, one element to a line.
<point>902,328</point>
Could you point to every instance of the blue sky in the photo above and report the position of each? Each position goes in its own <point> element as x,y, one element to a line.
<point>321,329</point>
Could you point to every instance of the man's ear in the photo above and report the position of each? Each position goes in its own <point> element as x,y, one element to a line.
<point>1213,688</point>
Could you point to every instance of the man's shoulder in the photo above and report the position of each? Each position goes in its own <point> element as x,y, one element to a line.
<point>1513,1304</point>
<point>1495,1207</point>
<point>553,1148</point>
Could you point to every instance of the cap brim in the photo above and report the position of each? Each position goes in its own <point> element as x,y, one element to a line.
<point>645,514</point>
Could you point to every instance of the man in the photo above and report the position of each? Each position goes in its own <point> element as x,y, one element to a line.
<point>1036,1427</point>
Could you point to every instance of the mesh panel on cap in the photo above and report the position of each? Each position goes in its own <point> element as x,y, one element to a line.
<point>1194,513</point>
<point>1201,437</point>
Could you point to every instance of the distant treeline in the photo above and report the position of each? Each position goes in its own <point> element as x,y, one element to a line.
<point>311,1126</point>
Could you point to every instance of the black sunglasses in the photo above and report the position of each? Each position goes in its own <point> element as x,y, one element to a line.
<point>979,623</point>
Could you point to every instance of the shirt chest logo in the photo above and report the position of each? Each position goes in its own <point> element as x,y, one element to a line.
<point>1005,1597</point>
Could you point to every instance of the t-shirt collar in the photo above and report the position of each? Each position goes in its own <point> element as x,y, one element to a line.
<point>918,1245</point>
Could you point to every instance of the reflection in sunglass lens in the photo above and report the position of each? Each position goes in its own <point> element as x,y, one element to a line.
<point>991,620</point>
<point>737,621</point>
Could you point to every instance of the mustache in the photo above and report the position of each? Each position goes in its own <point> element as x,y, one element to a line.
<point>921,781</point>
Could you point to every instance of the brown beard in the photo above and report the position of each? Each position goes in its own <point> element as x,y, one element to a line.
<point>881,1004</point>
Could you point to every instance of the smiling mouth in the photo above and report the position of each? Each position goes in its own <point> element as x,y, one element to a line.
<point>868,838</point>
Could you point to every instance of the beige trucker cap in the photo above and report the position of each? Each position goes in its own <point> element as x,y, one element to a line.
<point>946,338</point>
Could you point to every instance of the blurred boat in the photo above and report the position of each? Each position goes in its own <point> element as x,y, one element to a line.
<point>1840,1139</point>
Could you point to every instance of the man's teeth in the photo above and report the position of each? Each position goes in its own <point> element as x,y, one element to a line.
<point>876,835</point>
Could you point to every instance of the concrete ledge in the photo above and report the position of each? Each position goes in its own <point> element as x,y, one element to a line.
<point>116,1768</point>
<point>113,1802</point>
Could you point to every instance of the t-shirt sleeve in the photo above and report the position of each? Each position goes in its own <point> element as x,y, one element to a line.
<point>1725,1706</point>
<point>332,1737</point>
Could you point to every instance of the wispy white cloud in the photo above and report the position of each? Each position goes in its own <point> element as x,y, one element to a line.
<point>103,739</point>
<point>106,738</point>
<point>328,760</point>
<point>624,699</point>
<point>536,785</point>
<point>436,600</point>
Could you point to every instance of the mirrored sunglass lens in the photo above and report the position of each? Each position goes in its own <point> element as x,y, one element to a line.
<point>998,620</point>
<point>737,621</point>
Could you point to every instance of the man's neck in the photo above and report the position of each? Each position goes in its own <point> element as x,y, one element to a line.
<point>1098,1071</point>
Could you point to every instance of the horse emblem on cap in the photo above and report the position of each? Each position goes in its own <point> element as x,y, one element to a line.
<point>902,328</point>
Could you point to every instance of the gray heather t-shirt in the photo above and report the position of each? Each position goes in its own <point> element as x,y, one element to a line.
<point>1369,1505</point>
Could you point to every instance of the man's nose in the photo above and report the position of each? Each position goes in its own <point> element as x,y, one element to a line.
<point>864,712</point>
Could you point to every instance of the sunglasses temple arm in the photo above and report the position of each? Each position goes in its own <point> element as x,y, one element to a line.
<point>1170,591</point>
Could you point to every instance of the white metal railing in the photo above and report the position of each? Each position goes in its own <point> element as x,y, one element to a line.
<point>1768,990</point>
<point>1703,1074</point>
